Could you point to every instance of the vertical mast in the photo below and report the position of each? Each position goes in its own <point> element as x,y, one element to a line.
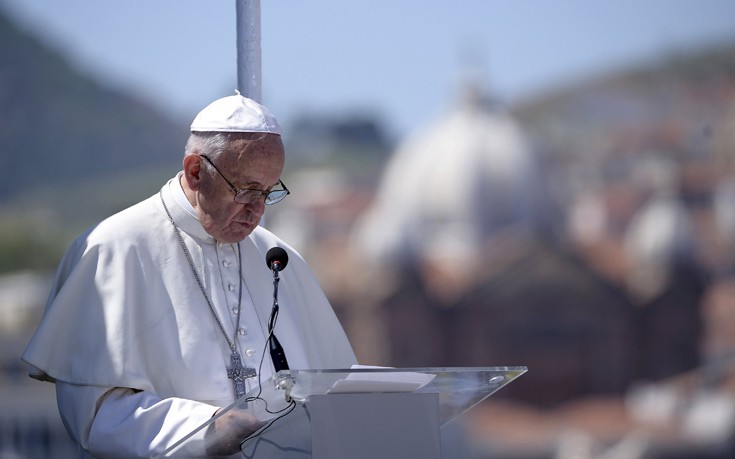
<point>248,49</point>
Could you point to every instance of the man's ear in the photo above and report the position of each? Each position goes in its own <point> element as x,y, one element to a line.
<point>193,171</point>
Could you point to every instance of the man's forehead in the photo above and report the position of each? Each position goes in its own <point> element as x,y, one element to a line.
<point>260,164</point>
<point>268,147</point>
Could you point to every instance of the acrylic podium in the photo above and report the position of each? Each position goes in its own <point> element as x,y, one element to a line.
<point>353,413</point>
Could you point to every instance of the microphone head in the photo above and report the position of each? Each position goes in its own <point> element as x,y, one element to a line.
<point>276,259</point>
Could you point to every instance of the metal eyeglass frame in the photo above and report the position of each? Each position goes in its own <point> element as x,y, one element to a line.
<point>249,195</point>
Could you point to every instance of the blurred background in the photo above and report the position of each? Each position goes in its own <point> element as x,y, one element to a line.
<point>474,183</point>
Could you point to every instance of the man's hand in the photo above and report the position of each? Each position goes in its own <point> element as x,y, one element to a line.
<point>227,432</point>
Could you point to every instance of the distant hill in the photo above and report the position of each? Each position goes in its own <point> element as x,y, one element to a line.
<point>672,103</point>
<point>73,151</point>
<point>59,127</point>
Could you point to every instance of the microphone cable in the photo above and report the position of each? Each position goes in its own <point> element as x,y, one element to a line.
<point>276,260</point>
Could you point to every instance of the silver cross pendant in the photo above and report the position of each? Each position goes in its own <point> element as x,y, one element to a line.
<point>238,373</point>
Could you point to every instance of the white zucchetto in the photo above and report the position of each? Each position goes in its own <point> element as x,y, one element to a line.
<point>235,114</point>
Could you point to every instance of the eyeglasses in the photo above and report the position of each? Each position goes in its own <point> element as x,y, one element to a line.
<point>249,195</point>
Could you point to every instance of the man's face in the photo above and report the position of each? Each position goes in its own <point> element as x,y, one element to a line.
<point>254,164</point>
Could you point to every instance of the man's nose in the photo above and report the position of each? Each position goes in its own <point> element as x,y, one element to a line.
<point>257,206</point>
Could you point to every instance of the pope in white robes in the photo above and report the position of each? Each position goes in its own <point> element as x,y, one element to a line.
<point>149,306</point>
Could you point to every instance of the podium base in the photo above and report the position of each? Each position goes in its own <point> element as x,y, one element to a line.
<point>368,426</point>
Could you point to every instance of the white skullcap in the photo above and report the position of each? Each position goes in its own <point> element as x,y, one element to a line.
<point>235,114</point>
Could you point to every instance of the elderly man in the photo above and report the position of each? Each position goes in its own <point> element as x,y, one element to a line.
<point>159,314</point>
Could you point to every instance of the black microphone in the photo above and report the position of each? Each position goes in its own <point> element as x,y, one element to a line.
<point>276,259</point>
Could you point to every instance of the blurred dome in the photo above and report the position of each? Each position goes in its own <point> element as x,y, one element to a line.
<point>450,186</point>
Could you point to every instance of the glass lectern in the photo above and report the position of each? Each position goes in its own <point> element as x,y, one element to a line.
<point>353,413</point>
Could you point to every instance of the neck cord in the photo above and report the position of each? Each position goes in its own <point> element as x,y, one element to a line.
<point>232,343</point>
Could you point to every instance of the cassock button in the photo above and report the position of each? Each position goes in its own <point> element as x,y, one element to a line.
<point>231,287</point>
<point>235,310</point>
<point>249,352</point>
<point>226,264</point>
<point>241,331</point>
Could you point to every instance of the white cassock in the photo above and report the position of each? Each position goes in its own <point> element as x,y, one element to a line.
<point>136,354</point>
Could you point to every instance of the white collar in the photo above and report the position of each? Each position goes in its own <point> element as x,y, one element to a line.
<point>178,192</point>
<point>183,212</point>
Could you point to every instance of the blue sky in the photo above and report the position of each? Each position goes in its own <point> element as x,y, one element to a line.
<point>399,59</point>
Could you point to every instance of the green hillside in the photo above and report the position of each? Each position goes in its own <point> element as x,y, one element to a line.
<point>59,126</point>
<point>73,150</point>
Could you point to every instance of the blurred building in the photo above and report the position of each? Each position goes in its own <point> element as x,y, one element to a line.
<point>30,425</point>
<point>581,234</point>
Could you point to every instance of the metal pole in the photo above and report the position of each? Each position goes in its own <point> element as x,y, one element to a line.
<point>249,72</point>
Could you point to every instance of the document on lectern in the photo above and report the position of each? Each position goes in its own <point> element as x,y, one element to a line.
<point>402,381</point>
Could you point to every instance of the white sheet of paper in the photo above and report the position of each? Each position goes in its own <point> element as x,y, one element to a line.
<point>404,381</point>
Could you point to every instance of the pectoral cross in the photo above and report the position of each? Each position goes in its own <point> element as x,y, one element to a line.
<point>238,373</point>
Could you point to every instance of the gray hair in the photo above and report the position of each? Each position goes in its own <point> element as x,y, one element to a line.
<point>213,144</point>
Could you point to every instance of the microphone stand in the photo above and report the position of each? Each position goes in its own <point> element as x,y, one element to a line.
<point>278,356</point>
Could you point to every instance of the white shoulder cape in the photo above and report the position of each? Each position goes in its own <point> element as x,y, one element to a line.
<point>126,311</point>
